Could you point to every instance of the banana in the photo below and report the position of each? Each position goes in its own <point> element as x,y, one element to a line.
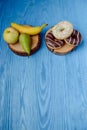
<point>28,29</point>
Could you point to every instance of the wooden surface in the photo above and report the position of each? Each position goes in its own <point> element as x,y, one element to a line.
<point>44,91</point>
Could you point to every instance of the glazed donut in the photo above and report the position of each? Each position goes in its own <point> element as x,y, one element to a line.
<point>62,30</point>
<point>74,39</point>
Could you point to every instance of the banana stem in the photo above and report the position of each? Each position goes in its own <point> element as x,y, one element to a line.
<point>43,25</point>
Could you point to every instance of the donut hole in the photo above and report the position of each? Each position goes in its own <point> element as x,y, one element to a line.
<point>62,29</point>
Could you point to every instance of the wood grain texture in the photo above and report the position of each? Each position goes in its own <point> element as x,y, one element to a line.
<point>44,91</point>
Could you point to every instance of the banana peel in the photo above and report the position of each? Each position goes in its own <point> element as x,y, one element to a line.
<point>28,29</point>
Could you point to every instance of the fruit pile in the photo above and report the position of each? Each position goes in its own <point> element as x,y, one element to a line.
<point>23,39</point>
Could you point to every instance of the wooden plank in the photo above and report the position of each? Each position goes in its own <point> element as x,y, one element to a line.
<point>44,91</point>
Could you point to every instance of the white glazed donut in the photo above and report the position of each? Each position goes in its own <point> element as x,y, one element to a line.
<point>62,30</point>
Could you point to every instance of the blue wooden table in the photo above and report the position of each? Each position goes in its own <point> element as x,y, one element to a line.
<point>44,91</point>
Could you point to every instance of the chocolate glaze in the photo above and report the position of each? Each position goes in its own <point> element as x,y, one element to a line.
<point>53,42</point>
<point>75,38</point>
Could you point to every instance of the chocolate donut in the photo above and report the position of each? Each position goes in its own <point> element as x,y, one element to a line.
<point>63,50</point>
<point>74,39</point>
<point>52,42</point>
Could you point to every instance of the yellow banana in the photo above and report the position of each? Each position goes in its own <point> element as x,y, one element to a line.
<point>26,25</point>
<point>28,29</point>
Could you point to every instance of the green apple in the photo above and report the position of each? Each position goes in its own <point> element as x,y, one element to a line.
<point>10,35</point>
